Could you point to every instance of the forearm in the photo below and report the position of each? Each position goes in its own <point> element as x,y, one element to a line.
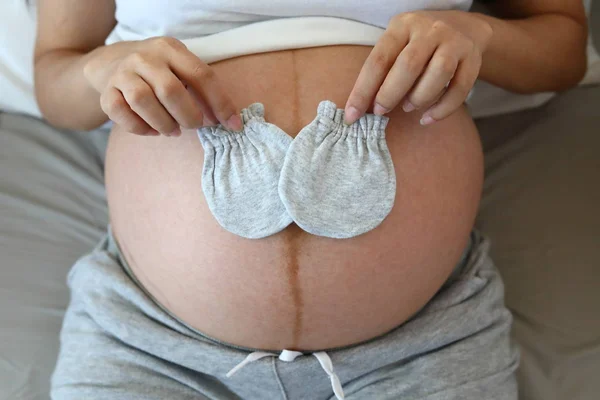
<point>540,53</point>
<point>65,97</point>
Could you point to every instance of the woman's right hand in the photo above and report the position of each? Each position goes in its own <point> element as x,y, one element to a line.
<point>156,86</point>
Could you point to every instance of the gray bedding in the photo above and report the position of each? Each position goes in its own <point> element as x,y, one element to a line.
<point>541,208</point>
<point>52,211</point>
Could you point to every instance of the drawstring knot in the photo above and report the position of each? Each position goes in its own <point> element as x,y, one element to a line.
<point>290,356</point>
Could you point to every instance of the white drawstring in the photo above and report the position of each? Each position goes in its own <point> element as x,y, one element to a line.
<point>289,356</point>
<point>257,355</point>
<point>327,365</point>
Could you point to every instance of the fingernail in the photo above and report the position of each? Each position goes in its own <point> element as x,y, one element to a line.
<point>408,106</point>
<point>235,123</point>
<point>380,110</point>
<point>427,120</point>
<point>176,132</point>
<point>351,114</point>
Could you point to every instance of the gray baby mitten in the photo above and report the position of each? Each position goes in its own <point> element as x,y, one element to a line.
<point>241,172</point>
<point>338,180</point>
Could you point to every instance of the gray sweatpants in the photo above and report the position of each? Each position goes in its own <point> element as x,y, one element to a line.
<point>118,344</point>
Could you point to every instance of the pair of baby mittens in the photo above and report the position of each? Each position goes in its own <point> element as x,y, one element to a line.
<point>332,180</point>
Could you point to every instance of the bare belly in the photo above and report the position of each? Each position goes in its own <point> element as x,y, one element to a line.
<point>294,290</point>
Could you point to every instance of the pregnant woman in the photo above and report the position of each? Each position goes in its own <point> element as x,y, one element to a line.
<point>292,190</point>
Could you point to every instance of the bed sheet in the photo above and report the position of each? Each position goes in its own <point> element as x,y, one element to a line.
<point>52,211</point>
<point>541,208</point>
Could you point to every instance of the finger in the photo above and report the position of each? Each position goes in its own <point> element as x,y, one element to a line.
<point>457,91</point>
<point>406,71</point>
<point>208,117</point>
<point>142,100</point>
<point>176,132</point>
<point>204,81</point>
<point>437,75</point>
<point>435,100</point>
<point>115,106</point>
<point>172,94</point>
<point>373,74</point>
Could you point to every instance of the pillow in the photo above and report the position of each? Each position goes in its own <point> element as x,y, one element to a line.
<point>17,37</point>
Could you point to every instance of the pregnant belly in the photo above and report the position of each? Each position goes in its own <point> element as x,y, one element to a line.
<point>294,290</point>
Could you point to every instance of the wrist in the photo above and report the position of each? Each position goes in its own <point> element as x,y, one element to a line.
<point>475,26</point>
<point>100,64</point>
<point>479,28</point>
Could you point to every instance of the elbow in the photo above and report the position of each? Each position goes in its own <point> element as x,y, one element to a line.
<point>43,95</point>
<point>569,68</point>
<point>562,76</point>
<point>49,111</point>
<point>45,106</point>
<point>562,66</point>
<point>572,63</point>
<point>55,119</point>
<point>69,123</point>
<point>572,71</point>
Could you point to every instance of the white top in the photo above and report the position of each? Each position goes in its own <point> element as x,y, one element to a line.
<point>219,29</point>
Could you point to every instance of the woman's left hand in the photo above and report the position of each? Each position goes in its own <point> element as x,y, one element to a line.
<point>428,60</point>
